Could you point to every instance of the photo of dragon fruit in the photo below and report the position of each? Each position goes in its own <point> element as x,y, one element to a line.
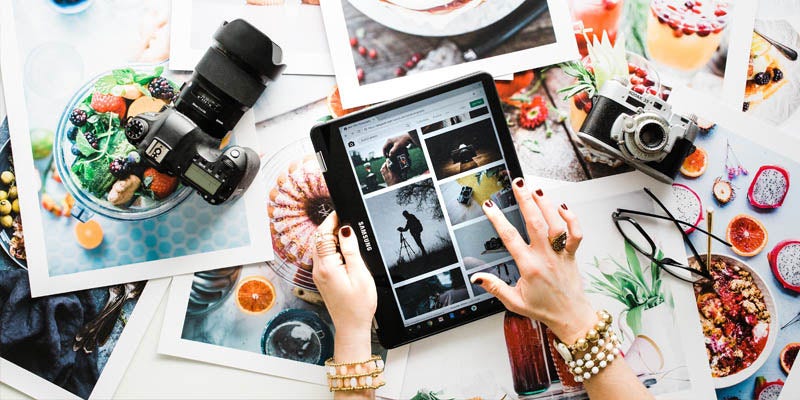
<point>755,223</point>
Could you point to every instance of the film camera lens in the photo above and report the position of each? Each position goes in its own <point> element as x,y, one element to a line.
<point>651,137</point>
<point>183,139</point>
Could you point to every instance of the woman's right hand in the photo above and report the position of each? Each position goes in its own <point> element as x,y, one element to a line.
<point>549,289</point>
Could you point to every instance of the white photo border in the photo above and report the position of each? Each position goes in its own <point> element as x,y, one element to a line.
<point>121,356</point>
<point>42,284</point>
<point>183,57</point>
<point>564,49</point>
<point>171,343</point>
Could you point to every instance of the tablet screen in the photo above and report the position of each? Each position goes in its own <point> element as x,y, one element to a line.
<point>424,170</point>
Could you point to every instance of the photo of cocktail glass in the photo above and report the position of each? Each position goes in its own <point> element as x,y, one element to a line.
<point>593,17</point>
<point>684,34</point>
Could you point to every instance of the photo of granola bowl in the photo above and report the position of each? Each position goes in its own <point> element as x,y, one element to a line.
<point>93,159</point>
<point>739,318</point>
<point>436,17</point>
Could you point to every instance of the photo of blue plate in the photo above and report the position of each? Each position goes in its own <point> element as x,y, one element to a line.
<point>298,335</point>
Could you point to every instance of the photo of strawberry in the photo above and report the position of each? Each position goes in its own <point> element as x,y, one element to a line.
<point>103,103</point>
<point>162,185</point>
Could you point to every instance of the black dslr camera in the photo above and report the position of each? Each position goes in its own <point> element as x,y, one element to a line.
<point>463,154</point>
<point>639,129</point>
<point>400,163</point>
<point>493,244</point>
<point>183,139</point>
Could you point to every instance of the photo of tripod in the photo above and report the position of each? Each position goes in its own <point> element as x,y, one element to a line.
<point>405,247</point>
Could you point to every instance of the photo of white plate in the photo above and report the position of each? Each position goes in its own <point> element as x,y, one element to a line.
<point>774,327</point>
<point>436,17</point>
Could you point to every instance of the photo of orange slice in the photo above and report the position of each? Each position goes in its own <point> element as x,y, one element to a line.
<point>695,164</point>
<point>255,295</point>
<point>89,234</point>
<point>747,235</point>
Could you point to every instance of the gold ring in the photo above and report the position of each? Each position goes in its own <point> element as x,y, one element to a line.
<point>558,242</point>
<point>326,244</point>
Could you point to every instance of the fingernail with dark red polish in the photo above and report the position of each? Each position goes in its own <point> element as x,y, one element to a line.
<point>539,192</point>
<point>346,231</point>
<point>520,182</point>
<point>488,203</point>
<point>479,281</point>
<point>564,206</point>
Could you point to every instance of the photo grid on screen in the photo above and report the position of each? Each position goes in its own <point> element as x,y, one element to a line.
<point>424,170</point>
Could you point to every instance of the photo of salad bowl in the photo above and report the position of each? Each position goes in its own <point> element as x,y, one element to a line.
<point>99,168</point>
<point>739,317</point>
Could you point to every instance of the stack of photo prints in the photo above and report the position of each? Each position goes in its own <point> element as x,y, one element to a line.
<point>107,237</point>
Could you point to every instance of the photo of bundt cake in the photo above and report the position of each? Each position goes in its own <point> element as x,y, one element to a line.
<point>298,203</point>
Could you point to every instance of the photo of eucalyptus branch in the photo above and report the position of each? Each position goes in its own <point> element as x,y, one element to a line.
<point>629,285</point>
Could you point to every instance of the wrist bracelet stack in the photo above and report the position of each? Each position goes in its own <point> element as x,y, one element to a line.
<point>590,354</point>
<point>363,375</point>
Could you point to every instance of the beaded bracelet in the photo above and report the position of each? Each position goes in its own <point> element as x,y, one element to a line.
<point>590,354</point>
<point>362,375</point>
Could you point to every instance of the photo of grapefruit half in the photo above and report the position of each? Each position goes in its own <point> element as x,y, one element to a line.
<point>747,235</point>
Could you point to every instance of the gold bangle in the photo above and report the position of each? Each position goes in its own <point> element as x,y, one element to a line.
<point>365,375</point>
<point>591,354</point>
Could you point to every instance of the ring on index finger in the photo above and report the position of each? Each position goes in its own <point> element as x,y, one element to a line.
<point>326,243</point>
<point>558,242</point>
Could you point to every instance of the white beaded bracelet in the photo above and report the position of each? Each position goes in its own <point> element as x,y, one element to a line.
<point>590,354</point>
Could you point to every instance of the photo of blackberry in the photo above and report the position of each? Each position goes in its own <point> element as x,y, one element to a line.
<point>92,139</point>
<point>762,78</point>
<point>120,168</point>
<point>777,75</point>
<point>78,117</point>
<point>160,88</point>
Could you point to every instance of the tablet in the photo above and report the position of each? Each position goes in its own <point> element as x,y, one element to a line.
<point>410,176</point>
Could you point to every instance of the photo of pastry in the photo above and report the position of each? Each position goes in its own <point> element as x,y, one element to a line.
<point>464,196</point>
<point>411,231</point>
<point>464,148</point>
<point>432,293</point>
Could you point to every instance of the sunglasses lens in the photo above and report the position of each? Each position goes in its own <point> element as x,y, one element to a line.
<point>635,237</point>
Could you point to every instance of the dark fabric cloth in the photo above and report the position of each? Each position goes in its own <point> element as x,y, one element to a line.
<point>37,334</point>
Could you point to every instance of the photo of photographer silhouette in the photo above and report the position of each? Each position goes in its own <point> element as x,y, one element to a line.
<point>432,293</point>
<point>463,149</point>
<point>386,162</point>
<point>411,231</point>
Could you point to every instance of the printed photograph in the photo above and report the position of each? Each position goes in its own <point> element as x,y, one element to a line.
<point>383,163</point>
<point>464,197</point>
<point>480,244</point>
<point>464,148</point>
<point>411,231</point>
<point>401,37</point>
<point>506,271</point>
<point>432,293</point>
<point>546,107</point>
<point>65,339</point>
<point>385,49</point>
<point>749,340</point>
<point>97,189</point>
<point>772,88</point>
<point>295,25</point>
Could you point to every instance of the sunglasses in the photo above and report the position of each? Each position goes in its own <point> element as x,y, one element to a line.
<point>643,243</point>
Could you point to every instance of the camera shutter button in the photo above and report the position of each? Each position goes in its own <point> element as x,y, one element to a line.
<point>234,153</point>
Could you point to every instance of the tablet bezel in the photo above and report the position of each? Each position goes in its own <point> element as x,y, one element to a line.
<point>346,196</point>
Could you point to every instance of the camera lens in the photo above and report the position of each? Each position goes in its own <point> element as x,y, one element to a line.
<point>230,77</point>
<point>651,136</point>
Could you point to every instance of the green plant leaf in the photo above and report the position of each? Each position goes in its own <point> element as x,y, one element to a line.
<point>633,262</point>
<point>634,320</point>
<point>105,84</point>
<point>83,145</point>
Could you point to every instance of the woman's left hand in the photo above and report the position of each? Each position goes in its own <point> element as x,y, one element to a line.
<point>348,290</point>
